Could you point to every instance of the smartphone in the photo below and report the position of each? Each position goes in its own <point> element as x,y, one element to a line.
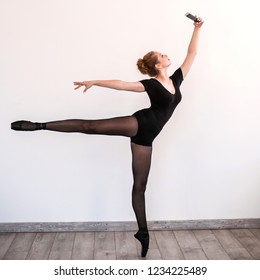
<point>190,16</point>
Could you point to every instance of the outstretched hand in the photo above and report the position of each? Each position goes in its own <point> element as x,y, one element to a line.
<point>86,84</point>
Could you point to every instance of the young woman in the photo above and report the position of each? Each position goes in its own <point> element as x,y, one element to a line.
<point>142,127</point>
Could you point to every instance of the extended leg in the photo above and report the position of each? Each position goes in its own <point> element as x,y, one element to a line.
<point>124,126</point>
<point>141,167</point>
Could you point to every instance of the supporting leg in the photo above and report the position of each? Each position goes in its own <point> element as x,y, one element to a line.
<point>141,167</point>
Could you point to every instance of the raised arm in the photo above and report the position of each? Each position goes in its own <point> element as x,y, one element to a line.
<point>113,84</point>
<point>192,49</point>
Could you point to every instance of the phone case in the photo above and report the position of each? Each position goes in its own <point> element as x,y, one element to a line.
<point>192,17</point>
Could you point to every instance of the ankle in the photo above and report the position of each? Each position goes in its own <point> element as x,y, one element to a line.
<point>143,230</point>
<point>40,126</point>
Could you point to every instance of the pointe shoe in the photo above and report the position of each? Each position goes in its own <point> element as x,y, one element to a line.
<point>26,126</point>
<point>143,237</point>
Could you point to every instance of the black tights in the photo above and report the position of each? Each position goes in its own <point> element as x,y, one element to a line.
<point>123,126</point>
<point>141,162</point>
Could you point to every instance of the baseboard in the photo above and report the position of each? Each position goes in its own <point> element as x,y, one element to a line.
<point>130,226</point>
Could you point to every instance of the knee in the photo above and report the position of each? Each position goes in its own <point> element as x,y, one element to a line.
<point>139,187</point>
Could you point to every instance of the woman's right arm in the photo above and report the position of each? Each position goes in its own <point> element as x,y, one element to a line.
<point>113,84</point>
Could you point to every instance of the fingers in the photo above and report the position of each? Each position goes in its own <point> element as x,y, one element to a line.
<point>199,23</point>
<point>85,84</point>
<point>79,85</point>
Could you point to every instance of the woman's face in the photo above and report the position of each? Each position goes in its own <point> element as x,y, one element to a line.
<point>164,60</point>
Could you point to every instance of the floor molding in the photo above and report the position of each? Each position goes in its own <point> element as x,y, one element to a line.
<point>130,226</point>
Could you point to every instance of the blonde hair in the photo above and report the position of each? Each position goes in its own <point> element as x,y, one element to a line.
<point>146,65</point>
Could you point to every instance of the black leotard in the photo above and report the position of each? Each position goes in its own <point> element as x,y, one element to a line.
<point>163,103</point>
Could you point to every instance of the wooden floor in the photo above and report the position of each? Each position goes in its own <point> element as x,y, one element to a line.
<point>237,244</point>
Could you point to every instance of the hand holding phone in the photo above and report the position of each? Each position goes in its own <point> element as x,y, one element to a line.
<point>192,17</point>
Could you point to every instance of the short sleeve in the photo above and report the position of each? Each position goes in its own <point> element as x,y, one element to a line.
<point>177,77</point>
<point>147,84</point>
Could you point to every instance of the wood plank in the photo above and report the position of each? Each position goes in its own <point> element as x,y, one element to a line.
<point>227,239</point>
<point>105,248</point>
<point>186,239</point>
<point>41,246</point>
<point>194,254</point>
<point>231,245</point>
<point>6,240</point>
<point>256,233</point>
<point>168,245</point>
<point>210,245</point>
<point>153,252</point>
<point>62,246</point>
<point>238,254</point>
<point>189,245</point>
<point>83,248</point>
<point>125,246</point>
<point>20,246</point>
<point>249,242</point>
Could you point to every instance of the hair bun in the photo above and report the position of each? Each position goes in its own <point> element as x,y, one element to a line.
<point>141,66</point>
<point>146,65</point>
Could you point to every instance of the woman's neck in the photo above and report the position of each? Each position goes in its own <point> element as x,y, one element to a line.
<point>163,75</point>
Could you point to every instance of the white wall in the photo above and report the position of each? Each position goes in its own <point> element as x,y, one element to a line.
<point>206,161</point>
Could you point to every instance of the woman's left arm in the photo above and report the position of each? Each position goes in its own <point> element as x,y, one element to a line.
<point>192,49</point>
